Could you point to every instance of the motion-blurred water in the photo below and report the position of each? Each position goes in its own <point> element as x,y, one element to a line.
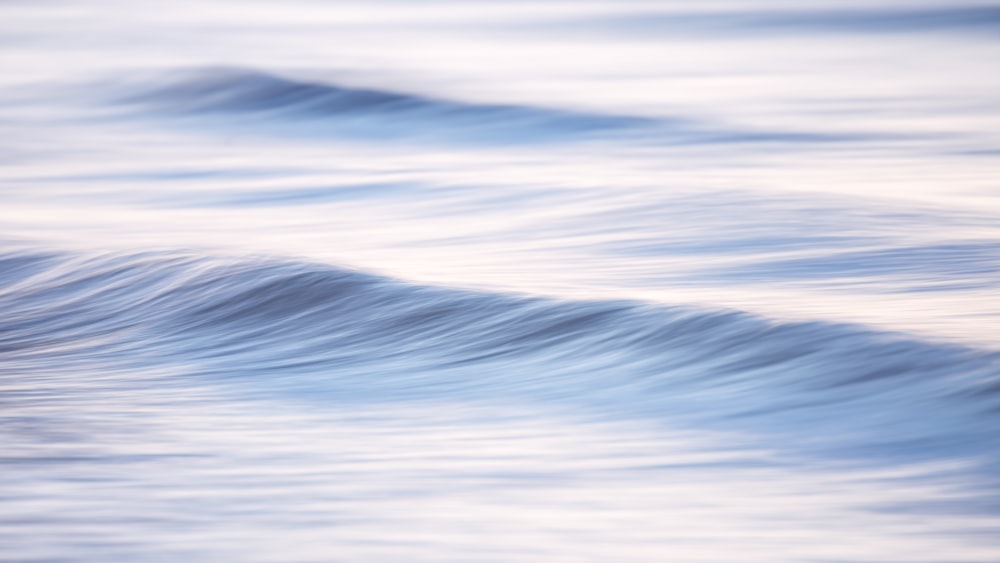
<point>500,281</point>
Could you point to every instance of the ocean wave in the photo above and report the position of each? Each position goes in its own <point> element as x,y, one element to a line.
<point>368,112</point>
<point>970,20</point>
<point>179,375</point>
<point>269,103</point>
<point>368,333</point>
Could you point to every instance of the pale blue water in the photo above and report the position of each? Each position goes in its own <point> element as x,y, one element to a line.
<point>511,281</point>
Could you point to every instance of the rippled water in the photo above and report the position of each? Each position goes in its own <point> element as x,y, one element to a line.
<point>500,281</point>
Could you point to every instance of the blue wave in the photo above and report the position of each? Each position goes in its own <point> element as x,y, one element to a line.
<point>371,112</point>
<point>978,19</point>
<point>270,103</point>
<point>324,330</point>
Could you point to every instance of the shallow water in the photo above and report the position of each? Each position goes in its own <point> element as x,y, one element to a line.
<point>383,281</point>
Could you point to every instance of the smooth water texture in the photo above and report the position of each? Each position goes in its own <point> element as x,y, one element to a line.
<point>500,281</point>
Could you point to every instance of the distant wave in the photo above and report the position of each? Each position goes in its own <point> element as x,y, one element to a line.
<point>270,103</point>
<point>977,19</point>
<point>369,112</point>
<point>345,331</point>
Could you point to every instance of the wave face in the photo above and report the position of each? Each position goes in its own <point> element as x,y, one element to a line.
<point>377,337</point>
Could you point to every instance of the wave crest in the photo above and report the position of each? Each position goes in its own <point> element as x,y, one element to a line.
<point>368,112</point>
<point>278,327</point>
<point>220,307</point>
